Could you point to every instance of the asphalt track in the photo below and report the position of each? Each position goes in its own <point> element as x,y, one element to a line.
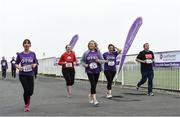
<point>50,99</point>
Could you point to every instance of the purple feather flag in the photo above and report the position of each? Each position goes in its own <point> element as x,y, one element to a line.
<point>73,41</point>
<point>129,40</point>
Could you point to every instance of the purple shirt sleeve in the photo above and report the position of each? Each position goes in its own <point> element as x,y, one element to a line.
<point>18,59</point>
<point>104,56</point>
<point>35,59</point>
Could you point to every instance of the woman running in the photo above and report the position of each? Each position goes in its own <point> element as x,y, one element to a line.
<point>110,67</point>
<point>91,60</point>
<point>25,62</point>
<point>68,61</point>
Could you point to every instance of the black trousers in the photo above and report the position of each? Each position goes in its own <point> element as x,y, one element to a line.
<point>28,86</point>
<point>147,75</point>
<point>93,78</point>
<point>109,76</point>
<point>13,72</point>
<point>69,75</point>
<point>4,73</point>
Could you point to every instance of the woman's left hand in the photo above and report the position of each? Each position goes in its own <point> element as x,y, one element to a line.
<point>34,65</point>
<point>97,60</point>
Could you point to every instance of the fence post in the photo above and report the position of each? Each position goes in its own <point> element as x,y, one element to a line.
<point>102,77</point>
<point>122,76</point>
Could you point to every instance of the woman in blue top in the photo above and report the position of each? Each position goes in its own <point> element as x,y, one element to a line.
<point>91,60</point>
<point>26,62</point>
<point>110,66</point>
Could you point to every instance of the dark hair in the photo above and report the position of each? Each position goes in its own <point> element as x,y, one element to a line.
<point>145,44</point>
<point>112,45</point>
<point>66,46</point>
<point>26,41</point>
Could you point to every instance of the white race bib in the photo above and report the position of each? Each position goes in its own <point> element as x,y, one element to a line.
<point>13,62</point>
<point>111,63</point>
<point>4,64</point>
<point>149,61</point>
<point>69,65</point>
<point>93,65</point>
<point>27,68</point>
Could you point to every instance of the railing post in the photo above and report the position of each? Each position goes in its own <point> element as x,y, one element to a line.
<point>122,76</point>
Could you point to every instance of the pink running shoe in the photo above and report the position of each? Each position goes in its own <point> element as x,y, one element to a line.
<point>26,108</point>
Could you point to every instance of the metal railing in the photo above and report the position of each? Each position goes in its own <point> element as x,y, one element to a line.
<point>164,77</point>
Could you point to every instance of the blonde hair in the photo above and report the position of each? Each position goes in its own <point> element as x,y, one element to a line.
<point>92,41</point>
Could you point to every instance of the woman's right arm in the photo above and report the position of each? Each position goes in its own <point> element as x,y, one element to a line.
<point>18,66</point>
<point>61,60</point>
<point>83,60</point>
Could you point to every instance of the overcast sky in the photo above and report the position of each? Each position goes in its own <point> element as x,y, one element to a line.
<point>50,24</point>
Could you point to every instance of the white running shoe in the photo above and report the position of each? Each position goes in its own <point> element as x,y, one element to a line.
<point>109,96</point>
<point>96,103</point>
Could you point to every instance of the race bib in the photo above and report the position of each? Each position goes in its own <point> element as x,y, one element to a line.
<point>93,65</point>
<point>3,64</point>
<point>69,65</point>
<point>148,56</point>
<point>27,68</point>
<point>13,62</point>
<point>111,63</point>
<point>149,61</point>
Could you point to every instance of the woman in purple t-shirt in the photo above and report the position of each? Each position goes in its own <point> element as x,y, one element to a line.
<point>91,60</point>
<point>110,67</point>
<point>26,62</point>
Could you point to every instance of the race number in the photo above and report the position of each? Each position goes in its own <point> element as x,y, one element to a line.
<point>111,63</point>
<point>4,64</point>
<point>93,65</point>
<point>27,68</point>
<point>149,61</point>
<point>69,65</point>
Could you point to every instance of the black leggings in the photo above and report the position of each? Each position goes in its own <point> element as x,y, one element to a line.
<point>93,78</point>
<point>109,76</point>
<point>28,86</point>
<point>4,73</point>
<point>13,71</point>
<point>69,75</point>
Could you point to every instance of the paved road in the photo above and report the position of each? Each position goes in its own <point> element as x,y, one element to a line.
<point>50,99</point>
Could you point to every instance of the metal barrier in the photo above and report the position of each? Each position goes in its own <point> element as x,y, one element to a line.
<point>164,77</point>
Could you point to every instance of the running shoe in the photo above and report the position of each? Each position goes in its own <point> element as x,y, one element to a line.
<point>26,108</point>
<point>137,88</point>
<point>150,94</point>
<point>108,96</point>
<point>96,103</point>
